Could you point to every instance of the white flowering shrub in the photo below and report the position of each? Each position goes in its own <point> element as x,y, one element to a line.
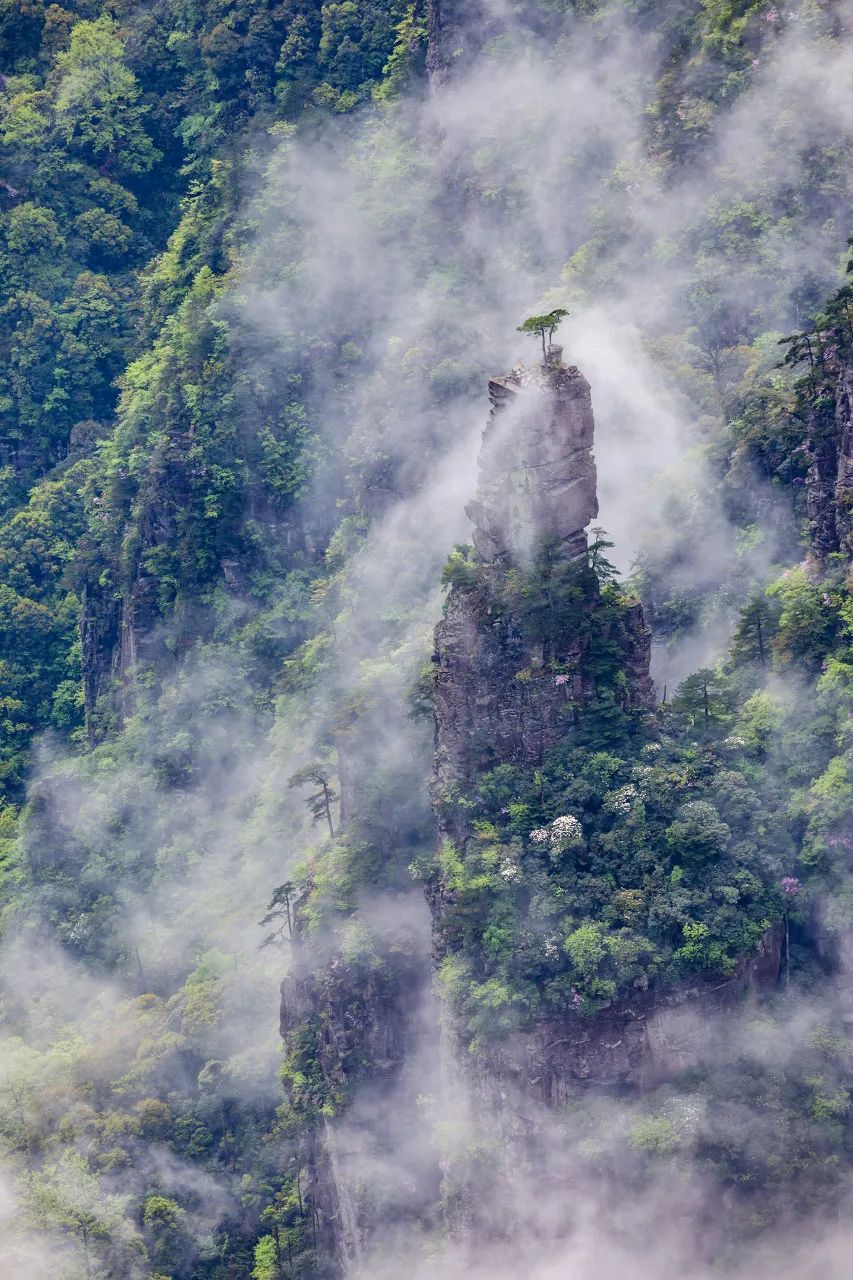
<point>621,802</point>
<point>645,778</point>
<point>566,833</point>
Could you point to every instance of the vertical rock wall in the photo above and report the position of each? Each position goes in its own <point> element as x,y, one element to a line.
<point>537,478</point>
<point>455,29</point>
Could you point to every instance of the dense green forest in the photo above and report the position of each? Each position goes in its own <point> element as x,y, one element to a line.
<point>257,264</point>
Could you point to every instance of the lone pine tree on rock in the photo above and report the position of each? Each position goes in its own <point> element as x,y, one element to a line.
<point>544,325</point>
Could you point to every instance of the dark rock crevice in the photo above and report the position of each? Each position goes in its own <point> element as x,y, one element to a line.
<point>829,480</point>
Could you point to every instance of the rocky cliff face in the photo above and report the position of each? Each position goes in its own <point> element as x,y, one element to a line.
<point>455,30</point>
<point>636,1043</point>
<point>503,694</point>
<point>537,481</point>
<point>358,1022</point>
<point>116,634</point>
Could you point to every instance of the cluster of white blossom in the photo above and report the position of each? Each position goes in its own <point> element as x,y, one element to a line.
<point>509,869</point>
<point>566,833</point>
<point>644,776</point>
<point>622,801</point>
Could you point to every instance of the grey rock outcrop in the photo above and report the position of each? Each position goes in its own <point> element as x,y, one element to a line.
<point>537,474</point>
<point>365,1020</point>
<point>504,696</point>
<point>455,30</point>
<point>497,700</point>
<point>117,632</point>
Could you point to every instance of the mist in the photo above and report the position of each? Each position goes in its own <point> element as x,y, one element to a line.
<point>397,251</point>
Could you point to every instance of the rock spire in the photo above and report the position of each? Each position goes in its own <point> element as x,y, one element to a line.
<point>507,692</point>
<point>537,474</point>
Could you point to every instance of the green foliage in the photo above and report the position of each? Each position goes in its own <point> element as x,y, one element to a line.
<point>660,884</point>
<point>323,795</point>
<point>156,466</point>
<point>97,101</point>
<point>167,1239</point>
<point>654,1135</point>
<point>752,641</point>
<point>807,622</point>
<point>704,700</point>
<point>700,951</point>
<point>461,569</point>
<point>285,461</point>
<point>407,59</point>
<point>544,326</point>
<point>698,832</point>
<point>586,949</point>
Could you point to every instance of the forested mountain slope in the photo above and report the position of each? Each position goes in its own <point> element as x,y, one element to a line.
<point>546,823</point>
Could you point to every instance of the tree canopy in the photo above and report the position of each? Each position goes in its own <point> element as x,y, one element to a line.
<point>544,326</point>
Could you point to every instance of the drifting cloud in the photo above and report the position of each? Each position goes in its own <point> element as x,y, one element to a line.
<point>389,261</point>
